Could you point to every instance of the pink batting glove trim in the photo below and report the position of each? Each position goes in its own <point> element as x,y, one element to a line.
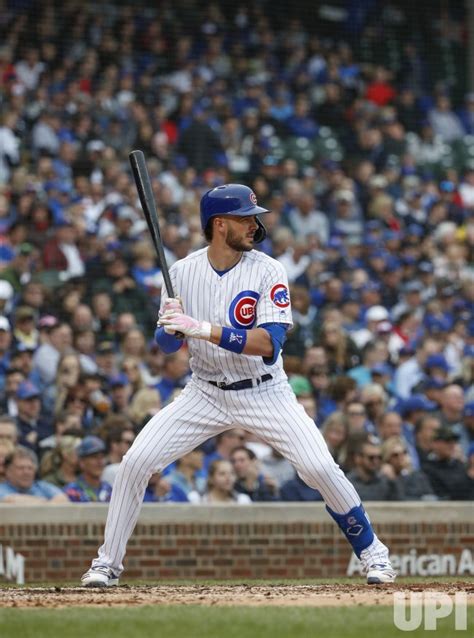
<point>187,325</point>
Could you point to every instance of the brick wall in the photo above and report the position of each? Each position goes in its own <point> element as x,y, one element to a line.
<point>264,541</point>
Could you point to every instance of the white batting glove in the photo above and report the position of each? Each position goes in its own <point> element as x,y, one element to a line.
<point>178,322</point>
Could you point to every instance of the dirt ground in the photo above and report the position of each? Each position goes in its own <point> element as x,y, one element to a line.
<point>330,595</point>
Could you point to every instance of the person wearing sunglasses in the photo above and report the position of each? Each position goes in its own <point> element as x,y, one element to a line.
<point>396,466</point>
<point>370,483</point>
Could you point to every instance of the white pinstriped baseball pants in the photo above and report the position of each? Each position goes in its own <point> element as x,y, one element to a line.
<point>201,411</point>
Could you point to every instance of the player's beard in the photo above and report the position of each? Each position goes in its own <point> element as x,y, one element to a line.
<point>237,244</point>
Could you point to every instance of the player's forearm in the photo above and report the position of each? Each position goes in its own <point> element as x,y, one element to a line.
<point>258,342</point>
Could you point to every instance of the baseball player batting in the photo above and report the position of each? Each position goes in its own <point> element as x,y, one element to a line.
<point>234,310</point>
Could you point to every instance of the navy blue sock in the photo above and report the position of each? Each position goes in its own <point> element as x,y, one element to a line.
<point>356,527</point>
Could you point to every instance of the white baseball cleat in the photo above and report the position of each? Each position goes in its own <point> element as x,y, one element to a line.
<point>378,573</point>
<point>100,576</point>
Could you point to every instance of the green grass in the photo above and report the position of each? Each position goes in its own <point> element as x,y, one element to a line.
<point>194,621</point>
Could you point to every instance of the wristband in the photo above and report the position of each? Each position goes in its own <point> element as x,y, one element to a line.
<point>233,340</point>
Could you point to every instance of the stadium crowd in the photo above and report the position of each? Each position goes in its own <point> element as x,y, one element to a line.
<point>369,174</point>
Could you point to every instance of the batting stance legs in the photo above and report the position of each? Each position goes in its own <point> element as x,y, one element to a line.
<point>201,411</point>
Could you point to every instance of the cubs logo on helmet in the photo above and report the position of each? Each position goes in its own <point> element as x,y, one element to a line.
<point>280,296</point>
<point>242,309</point>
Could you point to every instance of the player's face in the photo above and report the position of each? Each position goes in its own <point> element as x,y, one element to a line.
<point>240,232</point>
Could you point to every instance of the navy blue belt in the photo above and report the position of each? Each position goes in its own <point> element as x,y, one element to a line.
<point>245,384</point>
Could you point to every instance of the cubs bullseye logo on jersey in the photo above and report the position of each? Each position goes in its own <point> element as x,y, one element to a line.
<point>242,309</point>
<point>280,296</point>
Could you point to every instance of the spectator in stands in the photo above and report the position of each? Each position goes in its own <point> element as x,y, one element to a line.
<point>120,393</point>
<point>60,465</point>
<point>58,339</point>
<point>13,378</point>
<point>452,407</point>
<point>89,486</point>
<point>6,448</point>
<point>20,486</point>
<point>220,486</point>
<point>161,490</point>
<point>411,372</point>
<point>295,489</point>
<point>341,351</point>
<point>118,441</point>
<point>412,410</point>
<point>304,395</point>
<point>446,473</point>
<point>250,479</point>
<point>374,399</point>
<point>396,466</point>
<point>225,442</point>
<point>370,483</point>
<point>388,425</point>
<point>277,467</point>
<point>188,473</point>
<point>67,376</point>
<point>145,404</point>
<point>355,416</point>
<point>335,430</point>
<point>8,429</point>
<point>175,370</point>
<point>444,121</point>
<point>31,426</point>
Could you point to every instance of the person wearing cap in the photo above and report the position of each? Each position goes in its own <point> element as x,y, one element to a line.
<point>6,296</point>
<point>373,317</point>
<point>437,368</point>
<point>411,410</point>
<point>61,253</point>
<point>411,299</point>
<point>31,426</point>
<point>18,272</point>
<point>174,374</point>
<point>304,394</point>
<point>89,487</point>
<point>25,331</point>
<point>410,372</point>
<point>22,359</point>
<point>446,473</point>
<point>120,392</point>
<point>20,486</point>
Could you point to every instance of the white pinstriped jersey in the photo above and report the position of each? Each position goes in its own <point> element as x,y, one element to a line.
<point>253,292</point>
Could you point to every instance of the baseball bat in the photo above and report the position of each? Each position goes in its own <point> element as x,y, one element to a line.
<point>147,200</point>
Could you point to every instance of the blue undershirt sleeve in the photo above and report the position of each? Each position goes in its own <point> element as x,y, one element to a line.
<point>168,343</point>
<point>277,332</point>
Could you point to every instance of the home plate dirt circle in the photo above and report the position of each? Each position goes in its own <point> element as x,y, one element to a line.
<point>327,595</point>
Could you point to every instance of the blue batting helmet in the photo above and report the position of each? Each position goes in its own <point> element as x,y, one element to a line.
<point>232,199</point>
